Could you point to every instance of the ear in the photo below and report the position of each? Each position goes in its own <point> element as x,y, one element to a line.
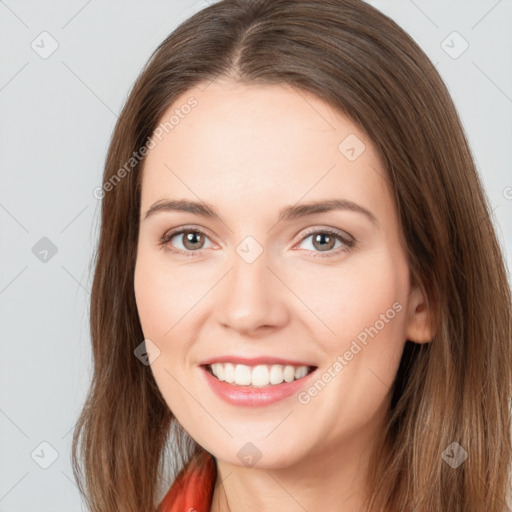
<point>419,326</point>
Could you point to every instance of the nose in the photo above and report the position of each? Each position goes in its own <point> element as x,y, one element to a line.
<point>252,298</point>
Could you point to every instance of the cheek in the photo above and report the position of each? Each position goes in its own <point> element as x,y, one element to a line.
<point>364,309</point>
<point>343,301</point>
<point>150,299</point>
<point>159,314</point>
<point>155,306</point>
<point>163,296</point>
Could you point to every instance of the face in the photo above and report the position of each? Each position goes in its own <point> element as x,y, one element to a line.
<point>268,280</point>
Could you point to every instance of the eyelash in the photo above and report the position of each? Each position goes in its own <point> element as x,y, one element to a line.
<point>348,243</point>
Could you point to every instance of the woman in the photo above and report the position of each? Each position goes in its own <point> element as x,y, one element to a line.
<point>299,299</point>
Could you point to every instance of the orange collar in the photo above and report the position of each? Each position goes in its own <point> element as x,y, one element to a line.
<point>192,490</point>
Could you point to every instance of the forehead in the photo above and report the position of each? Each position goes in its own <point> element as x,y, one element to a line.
<point>255,142</point>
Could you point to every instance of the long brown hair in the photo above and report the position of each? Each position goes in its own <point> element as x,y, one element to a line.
<point>455,389</point>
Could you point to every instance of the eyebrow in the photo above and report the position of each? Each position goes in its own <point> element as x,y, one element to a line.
<point>288,213</point>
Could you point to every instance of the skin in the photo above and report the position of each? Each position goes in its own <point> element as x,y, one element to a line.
<point>251,150</point>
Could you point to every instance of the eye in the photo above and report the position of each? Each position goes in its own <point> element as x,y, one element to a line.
<point>192,240</point>
<point>324,240</point>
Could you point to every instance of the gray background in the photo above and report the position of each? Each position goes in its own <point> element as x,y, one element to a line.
<point>57,115</point>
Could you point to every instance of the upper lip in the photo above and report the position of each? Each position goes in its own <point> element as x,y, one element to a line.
<point>253,361</point>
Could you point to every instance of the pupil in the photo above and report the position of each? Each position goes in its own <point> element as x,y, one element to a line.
<point>320,237</point>
<point>191,238</point>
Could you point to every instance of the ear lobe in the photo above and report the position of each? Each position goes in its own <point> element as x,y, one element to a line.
<point>419,318</point>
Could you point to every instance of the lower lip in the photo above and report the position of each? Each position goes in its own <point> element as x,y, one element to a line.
<point>254,397</point>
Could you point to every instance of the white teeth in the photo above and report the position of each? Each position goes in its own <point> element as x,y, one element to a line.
<point>300,372</point>
<point>276,374</point>
<point>219,371</point>
<point>259,375</point>
<point>242,375</point>
<point>229,372</point>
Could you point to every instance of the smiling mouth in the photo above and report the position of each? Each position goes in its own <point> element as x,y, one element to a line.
<point>258,376</point>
